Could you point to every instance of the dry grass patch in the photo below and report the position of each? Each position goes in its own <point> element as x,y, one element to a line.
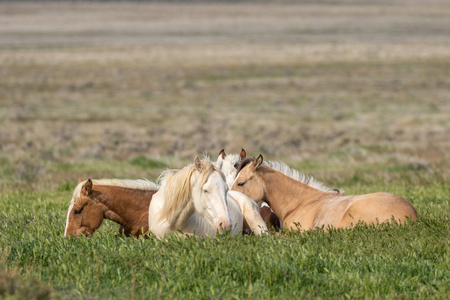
<point>297,82</point>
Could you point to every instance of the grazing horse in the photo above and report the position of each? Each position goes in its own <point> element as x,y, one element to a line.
<point>122,201</point>
<point>196,200</point>
<point>304,203</point>
<point>228,164</point>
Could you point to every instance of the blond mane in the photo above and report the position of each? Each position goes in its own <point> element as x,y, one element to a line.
<point>303,178</point>
<point>139,184</point>
<point>178,192</point>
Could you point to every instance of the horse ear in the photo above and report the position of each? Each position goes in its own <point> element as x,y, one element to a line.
<point>243,154</point>
<point>258,162</point>
<point>222,152</point>
<point>80,180</point>
<point>198,164</point>
<point>87,187</point>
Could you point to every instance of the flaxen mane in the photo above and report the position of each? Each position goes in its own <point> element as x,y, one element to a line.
<point>140,184</point>
<point>292,173</point>
<point>178,191</point>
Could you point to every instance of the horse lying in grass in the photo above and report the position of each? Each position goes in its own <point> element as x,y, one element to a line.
<point>122,201</point>
<point>228,164</point>
<point>196,200</point>
<point>126,202</point>
<point>303,203</point>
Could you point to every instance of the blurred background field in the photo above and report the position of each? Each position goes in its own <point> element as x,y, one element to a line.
<point>350,92</point>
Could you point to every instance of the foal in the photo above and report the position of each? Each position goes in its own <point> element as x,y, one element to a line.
<point>307,203</point>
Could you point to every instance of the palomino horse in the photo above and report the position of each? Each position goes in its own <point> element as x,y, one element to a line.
<point>308,203</point>
<point>195,200</point>
<point>123,201</point>
<point>228,164</point>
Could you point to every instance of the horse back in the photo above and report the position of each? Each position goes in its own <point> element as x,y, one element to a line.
<point>378,208</point>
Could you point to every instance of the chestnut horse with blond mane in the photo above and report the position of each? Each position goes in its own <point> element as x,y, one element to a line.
<point>122,201</point>
<point>303,203</point>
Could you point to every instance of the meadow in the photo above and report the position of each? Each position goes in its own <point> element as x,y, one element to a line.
<point>355,94</point>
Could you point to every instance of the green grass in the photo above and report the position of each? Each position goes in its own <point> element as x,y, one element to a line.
<point>390,261</point>
<point>147,163</point>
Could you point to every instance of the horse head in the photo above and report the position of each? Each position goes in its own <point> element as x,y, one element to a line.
<point>86,212</point>
<point>210,195</point>
<point>248,181</point>
<point>228,164</point>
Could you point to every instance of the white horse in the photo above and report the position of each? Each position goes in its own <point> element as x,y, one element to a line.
<point>228,164</point>
<point>196,200</point>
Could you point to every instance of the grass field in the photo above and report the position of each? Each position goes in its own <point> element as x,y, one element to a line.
<point>356,94</point>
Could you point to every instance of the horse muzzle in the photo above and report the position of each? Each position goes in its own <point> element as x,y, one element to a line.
<point>222,226</point>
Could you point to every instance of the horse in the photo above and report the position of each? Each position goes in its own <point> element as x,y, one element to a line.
<point>304,203</point>
<point>196,201</point>
<point>123,201</point>
<point>228,165</point>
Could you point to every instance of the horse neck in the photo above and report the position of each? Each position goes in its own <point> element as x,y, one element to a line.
<point>285,194</point>
<point>181,217</point>
<point>125,206</point>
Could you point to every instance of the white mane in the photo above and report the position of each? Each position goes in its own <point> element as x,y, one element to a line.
<point>232,158</point>
<point>139,184</point>
<point>228,167</point>
<point>296,175</point>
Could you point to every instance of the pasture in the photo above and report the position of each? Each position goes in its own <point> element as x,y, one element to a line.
<point>355,94</point>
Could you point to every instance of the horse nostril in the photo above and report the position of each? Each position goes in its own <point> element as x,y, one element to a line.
<point>224,225</point>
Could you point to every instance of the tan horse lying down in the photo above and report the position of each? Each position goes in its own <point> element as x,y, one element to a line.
<point>303,203</point>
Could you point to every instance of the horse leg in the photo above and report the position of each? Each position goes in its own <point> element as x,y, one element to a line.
<point>125,231</point>
<point>250,211</point>
<point>272,221</point>
<point>236,216</point>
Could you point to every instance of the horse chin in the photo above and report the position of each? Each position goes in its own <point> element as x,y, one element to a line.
<point>81,231</point>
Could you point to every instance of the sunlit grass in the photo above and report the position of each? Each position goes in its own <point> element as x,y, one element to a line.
<point>368,261</point>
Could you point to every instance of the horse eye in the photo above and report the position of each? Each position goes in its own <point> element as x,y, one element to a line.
<point>241,183</point>
<point>236,165</point>
<point>78,211</point>
<point>205,191</point>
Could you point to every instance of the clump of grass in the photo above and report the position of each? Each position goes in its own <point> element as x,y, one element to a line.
<point>147,163</point>
<point>14,287</point>
<point>66,186</point>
